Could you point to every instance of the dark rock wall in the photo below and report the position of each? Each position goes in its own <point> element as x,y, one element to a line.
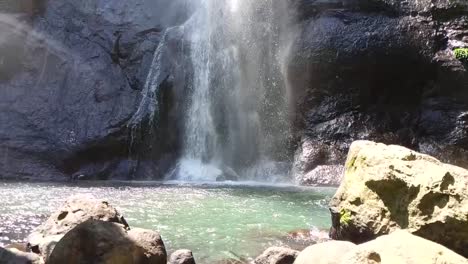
<point>72,73</point>
<point>382,70</point>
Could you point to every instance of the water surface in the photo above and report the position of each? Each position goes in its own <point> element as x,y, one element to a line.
<point>214,221</point>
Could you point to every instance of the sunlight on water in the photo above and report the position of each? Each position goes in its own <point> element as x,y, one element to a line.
<point>215,221</point>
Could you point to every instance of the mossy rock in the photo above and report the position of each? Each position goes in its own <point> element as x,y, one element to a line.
<point>345,217</point>
<point>461,54</point>
<point>386,188</point>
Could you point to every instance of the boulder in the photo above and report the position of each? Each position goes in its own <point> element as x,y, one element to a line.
<point>15,256</point>
<point>315,163</point>
<point>402,247</point>
<point>182,256</point>
<point>44,245</point>
<point>277,255</point>
<point>323,175</point>
<point>76,210</point>
<point>151,242</point>
<point>307,157</point>
<point>100,242</point>
<point>325,253</point>
<point>389,187</point>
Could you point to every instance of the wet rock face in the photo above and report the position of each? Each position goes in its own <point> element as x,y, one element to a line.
<point>313,164</point>
<point>386,188</point>
<point>71,75</point>
<point>323,175</point>
<point>381,70</point>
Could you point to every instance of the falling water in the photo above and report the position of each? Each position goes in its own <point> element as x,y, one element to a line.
<point>236,122</point>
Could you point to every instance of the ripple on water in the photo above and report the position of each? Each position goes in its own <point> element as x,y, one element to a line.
<point>215,221</point>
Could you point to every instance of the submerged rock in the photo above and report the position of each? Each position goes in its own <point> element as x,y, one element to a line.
<point>331,252</point>
<point>277,255</point>
<point>15,256</point>
<point>231,261</point>
<point>386,188</point>
<point>182,256</point>
<point>402,247</point>
<point>99,242</point>
<point>76,210</point>
<point>299,239</point>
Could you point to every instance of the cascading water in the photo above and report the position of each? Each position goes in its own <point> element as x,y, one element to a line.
<point>236,122</point>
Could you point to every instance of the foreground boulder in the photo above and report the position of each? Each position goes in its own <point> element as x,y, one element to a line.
<point>182,256</point>
<point>99,242</point>
<point>277,255</point>
<point>399,247</point>
<point>15,256</point>
<point>325,253</point>
<point>386,188</point>
<point>402,247</point>
<point>76,210</point>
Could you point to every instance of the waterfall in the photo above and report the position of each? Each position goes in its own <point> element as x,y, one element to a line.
<point>236,121</point>
<point>226,67</point>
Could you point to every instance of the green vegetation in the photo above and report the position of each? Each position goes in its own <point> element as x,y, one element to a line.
<point>350,163</point>
<point>345,217</point>
<point>461,54</point>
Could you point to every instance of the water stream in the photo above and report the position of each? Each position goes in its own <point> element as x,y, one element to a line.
<point>236,121</point>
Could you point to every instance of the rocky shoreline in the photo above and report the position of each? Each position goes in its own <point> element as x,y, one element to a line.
<point>394,205</point>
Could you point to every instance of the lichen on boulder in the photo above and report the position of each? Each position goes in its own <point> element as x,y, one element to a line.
<point>386,188</point>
